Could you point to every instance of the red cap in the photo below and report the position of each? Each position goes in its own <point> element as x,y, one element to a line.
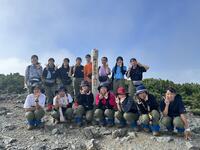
<point>121,91</point>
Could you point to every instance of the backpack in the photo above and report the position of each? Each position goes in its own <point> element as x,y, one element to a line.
<point>102,78</point>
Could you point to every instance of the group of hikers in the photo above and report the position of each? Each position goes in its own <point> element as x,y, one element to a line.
<point>66,91</point>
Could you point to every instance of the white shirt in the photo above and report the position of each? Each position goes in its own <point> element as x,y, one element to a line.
<point>64,101</point>
<point>30,101</point>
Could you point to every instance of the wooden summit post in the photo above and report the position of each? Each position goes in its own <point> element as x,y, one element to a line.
<point>95,67</point>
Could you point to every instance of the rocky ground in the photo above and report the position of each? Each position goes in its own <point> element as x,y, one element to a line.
<point>14,135</point>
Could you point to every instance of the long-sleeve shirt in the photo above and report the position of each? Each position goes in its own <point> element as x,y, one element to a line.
<point>104,103</point>
<point>88,71</point>
<point>128,105</point>
<point>147,106</point>
<point>86,100</point>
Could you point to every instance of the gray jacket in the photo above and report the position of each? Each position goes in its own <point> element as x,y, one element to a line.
<point>32,73</point>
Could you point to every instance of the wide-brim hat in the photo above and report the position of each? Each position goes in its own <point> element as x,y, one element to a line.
<point>84,83</point>
<point>140,89</point>
<point>104,85</point>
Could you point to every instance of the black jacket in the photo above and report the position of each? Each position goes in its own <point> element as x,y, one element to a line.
<point>128,105</point>
<point>53,75</point>
<point>151,103</point>
<point>63,75</point>
<point>86,101</point>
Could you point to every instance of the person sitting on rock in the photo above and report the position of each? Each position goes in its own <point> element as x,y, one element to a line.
<point>173,112</point>
<point>84,104</point>
<point>34,107</point>
<point>127,109</point>
<point>148,108</point>
<point>105,106</point>
<point>62,105</point>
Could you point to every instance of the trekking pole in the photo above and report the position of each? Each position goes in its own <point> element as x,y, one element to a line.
<point>62,118</point>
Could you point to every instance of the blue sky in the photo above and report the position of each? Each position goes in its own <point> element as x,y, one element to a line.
<point>163,34</point>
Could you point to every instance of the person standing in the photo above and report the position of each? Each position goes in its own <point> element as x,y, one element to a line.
<point>118,73</point>
<point>78,74</point>
<point>49,79</point>
<point>33,74</point>
<point>88,69</point>
<point>135,72</point>
<point>64,75</point>
<point>104,71</point>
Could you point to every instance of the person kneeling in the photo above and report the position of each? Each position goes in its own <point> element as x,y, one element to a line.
<point>127,109</point>
<point>173,111</point>
<point>148,107</point>
<point>84,104</point>
<point>34,107</point>
<point>105,106</point>
<point>62,106</point>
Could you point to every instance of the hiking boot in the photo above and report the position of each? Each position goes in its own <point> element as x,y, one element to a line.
<point>30,127</point>
<point>110,122</point>
<point>78,121</point>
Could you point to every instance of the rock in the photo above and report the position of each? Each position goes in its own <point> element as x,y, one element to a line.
<point>88,133</point>
<point>119,133</point>
<point>55,131</point>
<point>38,146</point>
<point>196,130</point>
<point>2,146</point>
<point>7,140</point>
<point>107,132</point>
<point>92,145</point>
<point>56,147</point>
<point>163,139</point>
<point>3,111</point>
<point>132,134</point>
<point>192,145</point>
<point>32,138</point>
<point>79,146</point>
<point>9,127</point>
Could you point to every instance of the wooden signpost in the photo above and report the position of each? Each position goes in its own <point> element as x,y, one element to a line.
<point>95,81</point>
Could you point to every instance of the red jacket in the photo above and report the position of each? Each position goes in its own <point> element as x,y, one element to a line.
<point>109,103</point>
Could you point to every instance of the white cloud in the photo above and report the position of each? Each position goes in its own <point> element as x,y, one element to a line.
<point>12,65</point>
